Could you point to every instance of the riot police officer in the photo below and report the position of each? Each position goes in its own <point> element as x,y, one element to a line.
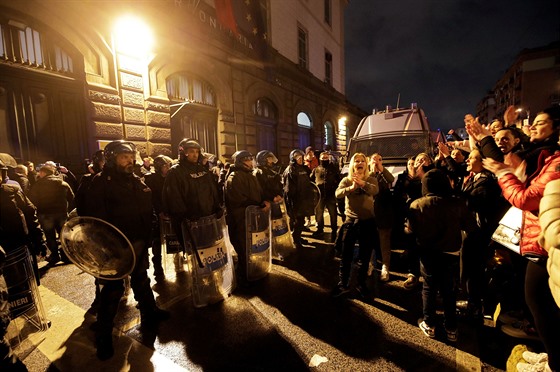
<point>190,190</point>
<point>119,197</point>
<point>242,190</point>
<point>299,194</point>
<point>269,178</point>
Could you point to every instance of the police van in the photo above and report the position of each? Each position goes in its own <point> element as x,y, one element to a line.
<point>395,134</point>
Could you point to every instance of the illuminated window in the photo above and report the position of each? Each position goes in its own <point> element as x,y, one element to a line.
<point>192,89</point>
<point>329,134</point>
<point>304,130</point>
<point>22,44</point>
<point>265,109</point>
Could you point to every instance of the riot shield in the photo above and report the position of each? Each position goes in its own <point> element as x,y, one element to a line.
<point>98,248</point>
<point>26,311</point>
<point>173,258</point>
<point>259,252</point>
<point>282,240</point>
<point>209,259</point>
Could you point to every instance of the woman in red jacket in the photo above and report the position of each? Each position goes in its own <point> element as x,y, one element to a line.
<point>542,165</point>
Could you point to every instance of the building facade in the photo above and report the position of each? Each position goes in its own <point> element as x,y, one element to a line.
<point>71,81</point>
<point>531,83</point>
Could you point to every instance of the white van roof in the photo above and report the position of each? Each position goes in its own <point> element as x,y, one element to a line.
<point>397,121</point>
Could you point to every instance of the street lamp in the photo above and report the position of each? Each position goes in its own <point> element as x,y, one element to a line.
<point>133,37</point>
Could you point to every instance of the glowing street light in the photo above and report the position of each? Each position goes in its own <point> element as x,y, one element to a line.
<point>133,37</point>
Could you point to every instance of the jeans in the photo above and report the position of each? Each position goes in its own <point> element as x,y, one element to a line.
<point>365,231</point>
<point>545,311</point>
<point>437,269</point>
<point>52,225</point>
<point>330,205</point>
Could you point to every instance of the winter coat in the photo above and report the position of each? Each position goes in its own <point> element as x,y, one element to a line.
<point>383,204</point>
<point>18,220</point>
<point>270,181</point>
<point>122,200</point>
<point>485,201</point>
<point>326,177</point>
<point>299,192</point>
<point>359,202</point>
<point>527,196</point>
<point>549,218</point>
<point>437,218</point>
<point>51,195</point>
<point>190,191</point>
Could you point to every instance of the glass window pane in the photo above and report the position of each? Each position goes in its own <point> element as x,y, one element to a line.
<point>37,47</point>
<point>304,120</point>
<point>23,46</point>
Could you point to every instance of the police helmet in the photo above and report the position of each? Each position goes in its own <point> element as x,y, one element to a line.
<point>117,147</point>
<point>295,153</point>
<point>98,157</point>
<point>160,161</point>
<point>263,155</point>
<point>239,156</point>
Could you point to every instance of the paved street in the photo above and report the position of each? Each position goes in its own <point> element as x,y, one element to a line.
<point>286,322</point>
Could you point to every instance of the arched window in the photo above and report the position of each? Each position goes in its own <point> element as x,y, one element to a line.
<point>329,135</point>
<point>190,89</point>
<point>23,44</point>
<point>193,111</point>
<point>266,115</point>
<point>304,130</point>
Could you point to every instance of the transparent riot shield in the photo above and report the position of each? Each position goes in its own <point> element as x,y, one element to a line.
<point>98,248</point>
<point>282,241</point>
<point>259,251</point>
<point>173,254</point>
<point>26,309</point>
<point>209,259</point>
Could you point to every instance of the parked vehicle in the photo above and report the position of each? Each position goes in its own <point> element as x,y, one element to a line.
<point>396,134</point>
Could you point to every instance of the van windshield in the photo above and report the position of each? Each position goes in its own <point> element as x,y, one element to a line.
<point>396,147</point>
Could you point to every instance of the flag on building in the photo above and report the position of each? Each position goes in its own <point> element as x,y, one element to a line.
<point>245,19</point>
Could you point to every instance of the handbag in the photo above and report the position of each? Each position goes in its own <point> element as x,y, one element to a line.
<point>508,232</point>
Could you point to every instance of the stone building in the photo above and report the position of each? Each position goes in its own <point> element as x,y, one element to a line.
<point>532,83</point>
<point>71,80</point>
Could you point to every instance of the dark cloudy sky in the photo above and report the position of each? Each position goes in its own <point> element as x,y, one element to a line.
<point>443,54</point>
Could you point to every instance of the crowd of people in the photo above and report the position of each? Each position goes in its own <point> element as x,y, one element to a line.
<point>442,210</point>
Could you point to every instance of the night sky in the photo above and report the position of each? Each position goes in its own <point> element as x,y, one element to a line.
<point>443,54</point>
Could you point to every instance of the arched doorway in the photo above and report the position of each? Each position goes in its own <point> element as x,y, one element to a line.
<point>305,124</point>
<point>193,111</point>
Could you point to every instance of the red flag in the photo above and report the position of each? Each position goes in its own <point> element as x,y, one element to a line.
<point>244,18</point>
<point>226,15</point>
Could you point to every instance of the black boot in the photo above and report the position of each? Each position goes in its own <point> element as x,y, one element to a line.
<point>153,315</point>
<point>104,344</point>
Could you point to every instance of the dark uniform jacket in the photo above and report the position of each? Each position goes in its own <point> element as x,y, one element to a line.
<point>242,190</point>
<point>18,220</point>
<point>122,200</point>
<point>270,181</point>
<point>155,182</point>
<point>51,195</point>
<point>298,191</point>
<point>190,191</point>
